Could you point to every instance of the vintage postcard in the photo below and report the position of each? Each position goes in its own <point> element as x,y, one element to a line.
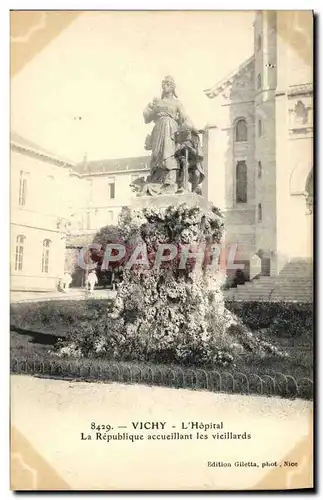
<point>162,208</point>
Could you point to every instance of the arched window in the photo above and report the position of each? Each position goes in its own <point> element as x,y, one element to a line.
<point>19,252</point>
<point>22,188</point>
<point>45,256</point>
<point>259,212</point>
<point>259,42</point>
<point>88,220</point>
<point>259,128</point>
<point>112,189</point>
<point>301,112</point>
<point>241,130</point>
<point>259,81</point>
<point>309,193</point>
<point>259,169</point>
<point>50,190</point>
<point>241,182</point>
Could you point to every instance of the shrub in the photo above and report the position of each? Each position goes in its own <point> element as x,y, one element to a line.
<point>288,319</point>
<point>88,330</point>
<point>56,316</point>
<point>160,340</point>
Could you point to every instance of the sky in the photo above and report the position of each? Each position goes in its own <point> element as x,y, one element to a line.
<point>107,66</point>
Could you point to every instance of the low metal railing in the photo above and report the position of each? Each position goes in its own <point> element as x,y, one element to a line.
<point>235,382</point>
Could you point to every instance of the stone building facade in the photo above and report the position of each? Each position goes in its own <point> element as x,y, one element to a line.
<point>106,185</point>
<point>261,159</point>
<point>39,190</point>
<point>58,206</point>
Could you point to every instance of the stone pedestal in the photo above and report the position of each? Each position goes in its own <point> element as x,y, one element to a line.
<point>166,200</point>
<point>170,310</point>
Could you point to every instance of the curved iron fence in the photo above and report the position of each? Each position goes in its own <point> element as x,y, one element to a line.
<point>235,382</point>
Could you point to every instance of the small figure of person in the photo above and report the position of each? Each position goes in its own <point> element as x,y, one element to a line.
<point>66,282</point>
<point>118,277</point>
<point>92,280</point>
<point>113,278</point>
<point>239,278</point>
<point>109,276</point>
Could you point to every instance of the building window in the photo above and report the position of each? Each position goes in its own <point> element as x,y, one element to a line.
<point>45,256</point>
<point>241,130</point>
<point>301,112</point>
<point>88,221</point>
<point>22,189</point>
<point>259,42</point>
<point>309,194</point>
<point>259,81</point>
<point>90,190</point>
<point>112,190</point>
<point>51,191</point>
<point>259,212</point>
<point>259,169</point>
<point>110,216</point>
<point>241,182</point>
<point>19,254</point>
<point>259,128</point>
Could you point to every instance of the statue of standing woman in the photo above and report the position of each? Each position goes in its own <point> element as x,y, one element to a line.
<point>169,117</point>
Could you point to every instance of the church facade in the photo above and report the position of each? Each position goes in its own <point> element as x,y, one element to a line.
<point>260,162</point>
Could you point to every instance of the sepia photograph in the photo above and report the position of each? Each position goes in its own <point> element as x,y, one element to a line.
<point>161,250</point>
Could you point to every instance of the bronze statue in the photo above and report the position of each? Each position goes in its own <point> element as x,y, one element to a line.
<point>176,156</point>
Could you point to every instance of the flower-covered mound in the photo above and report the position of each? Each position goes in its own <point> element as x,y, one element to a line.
<point>163,313</point>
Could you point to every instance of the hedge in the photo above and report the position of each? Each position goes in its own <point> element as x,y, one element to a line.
<point>56,316</point>
<point>284,317</point>
<point>84,321</point>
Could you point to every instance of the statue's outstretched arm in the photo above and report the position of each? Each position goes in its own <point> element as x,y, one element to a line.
<point>148,114</point>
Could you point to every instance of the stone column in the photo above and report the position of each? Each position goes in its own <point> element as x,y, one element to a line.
<point>214,165</point>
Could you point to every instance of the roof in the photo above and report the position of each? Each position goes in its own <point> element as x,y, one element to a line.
<point>220,86</point>
<point>22,142</point>
<point>116,165</point>
<point>113,165</point>
<point>80,239</point>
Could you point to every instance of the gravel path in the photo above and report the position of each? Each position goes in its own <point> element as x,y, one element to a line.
<point>53,414</point>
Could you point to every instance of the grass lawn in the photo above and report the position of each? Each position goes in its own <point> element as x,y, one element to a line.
<point>38,331</point>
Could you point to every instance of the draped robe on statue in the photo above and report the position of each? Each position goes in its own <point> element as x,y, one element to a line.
<point>167,114</point>
<point>173,133</point>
